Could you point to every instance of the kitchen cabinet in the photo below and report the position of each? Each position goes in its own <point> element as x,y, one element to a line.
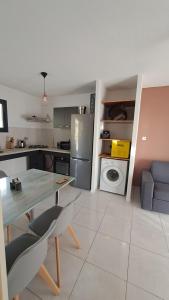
<point>36,160</point>
<point>62,116</point>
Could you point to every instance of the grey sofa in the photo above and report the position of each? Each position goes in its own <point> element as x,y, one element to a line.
<point>155,187</point>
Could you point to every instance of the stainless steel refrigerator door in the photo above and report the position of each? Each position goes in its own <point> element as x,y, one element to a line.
<point>82,136</point>
<point>81,170</point>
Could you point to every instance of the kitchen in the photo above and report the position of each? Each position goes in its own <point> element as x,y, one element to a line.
<point>44,146</point>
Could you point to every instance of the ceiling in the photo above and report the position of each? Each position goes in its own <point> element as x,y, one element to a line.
<point>79,41</point>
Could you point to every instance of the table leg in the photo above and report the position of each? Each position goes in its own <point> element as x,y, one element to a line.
<point>9,233</point>
<point>57,198</point>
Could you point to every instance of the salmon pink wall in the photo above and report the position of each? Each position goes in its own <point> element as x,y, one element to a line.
<point>154,125</point>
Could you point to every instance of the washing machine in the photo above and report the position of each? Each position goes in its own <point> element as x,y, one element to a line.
<point>113,175</point>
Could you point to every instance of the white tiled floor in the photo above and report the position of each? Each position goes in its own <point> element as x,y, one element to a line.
<point>124,251</point>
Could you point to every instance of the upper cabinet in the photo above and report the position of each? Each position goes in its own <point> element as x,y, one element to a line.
<point>3,116</point>
<point>62,116</point>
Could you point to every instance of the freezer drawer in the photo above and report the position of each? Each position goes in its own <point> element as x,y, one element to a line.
<point>81,170</point>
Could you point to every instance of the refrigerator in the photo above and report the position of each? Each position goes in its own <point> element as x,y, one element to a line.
<point>81,150</point>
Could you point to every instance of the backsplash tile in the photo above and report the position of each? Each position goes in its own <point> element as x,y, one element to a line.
<point>34,135</point>
<point>44,136</point>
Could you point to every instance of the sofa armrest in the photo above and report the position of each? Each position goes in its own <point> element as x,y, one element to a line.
<point>147,189</point>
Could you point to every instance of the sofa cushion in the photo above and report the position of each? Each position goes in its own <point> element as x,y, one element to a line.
<point>160,171</point>
<point>161,191</point>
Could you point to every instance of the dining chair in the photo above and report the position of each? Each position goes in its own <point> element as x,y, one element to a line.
<point>63,217</point>
<point>24,259</point>
<point>9,228</point>
<point>2,174</point>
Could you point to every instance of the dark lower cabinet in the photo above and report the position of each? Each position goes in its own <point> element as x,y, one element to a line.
<point>36,160</point>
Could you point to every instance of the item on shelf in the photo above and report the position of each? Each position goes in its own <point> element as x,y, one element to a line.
<point>117,112</point>
<point>105,134</point>
<point>15,184</point>
<point>82,110</point>
<point>120,148</point>
<point>10,142</point>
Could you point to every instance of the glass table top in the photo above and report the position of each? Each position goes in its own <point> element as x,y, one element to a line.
<point>37,185</point>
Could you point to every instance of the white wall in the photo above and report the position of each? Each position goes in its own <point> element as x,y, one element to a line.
<point>19,104</point>
<point>134,135</point>
<point>53,135</point>
<point>100,92</point>
<point>63,101</point>
<point>121,93</point>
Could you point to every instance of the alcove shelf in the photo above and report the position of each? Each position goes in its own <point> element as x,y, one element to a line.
<point>109,102</point>
<point>118,121</point>
<point>106,155</point>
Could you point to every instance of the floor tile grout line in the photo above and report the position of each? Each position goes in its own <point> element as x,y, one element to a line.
<point>129,253</point>
<point>106,271</point>
<point>163,227</point>
<point>150,251</point>
<point>85,260</point>
<point>83,226</point>
<point>32,292</point>
<point>146,291</point>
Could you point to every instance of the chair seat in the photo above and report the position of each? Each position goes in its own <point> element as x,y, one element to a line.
<point>42,223</point>
<point>18,246</point>
<point>161,191</point>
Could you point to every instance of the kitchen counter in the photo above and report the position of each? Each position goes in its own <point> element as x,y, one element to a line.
<point>23,150</point>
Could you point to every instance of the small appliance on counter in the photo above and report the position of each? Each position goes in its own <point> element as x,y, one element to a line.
<point>64,145</point>
<point>21,144</point>
<point>82,109</point>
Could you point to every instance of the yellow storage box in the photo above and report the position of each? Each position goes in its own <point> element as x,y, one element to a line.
<point>120,148</point>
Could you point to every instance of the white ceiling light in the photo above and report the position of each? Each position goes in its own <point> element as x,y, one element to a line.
<point>44,97</point>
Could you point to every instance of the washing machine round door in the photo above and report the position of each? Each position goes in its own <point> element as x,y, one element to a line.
<point>112,176</point>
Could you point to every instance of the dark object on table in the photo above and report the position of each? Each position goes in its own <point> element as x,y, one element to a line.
<point>117,112</point>
<point>15,184</point>
<point>155,187</point>
<point>105,134</point>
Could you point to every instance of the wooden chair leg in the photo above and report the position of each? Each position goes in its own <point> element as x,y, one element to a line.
<point>57,246</point>
<point>16,297</point>
<point>9,233</point>
<point>44,274</point>
<point>74,236</point>
<point>28,216</point>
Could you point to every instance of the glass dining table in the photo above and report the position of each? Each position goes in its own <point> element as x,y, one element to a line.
<point>37,186</point>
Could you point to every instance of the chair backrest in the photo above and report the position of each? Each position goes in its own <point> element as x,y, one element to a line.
<point>160,171</point>
<point>28,264</point>
<point>65,217</point>
<point>2,174</point>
